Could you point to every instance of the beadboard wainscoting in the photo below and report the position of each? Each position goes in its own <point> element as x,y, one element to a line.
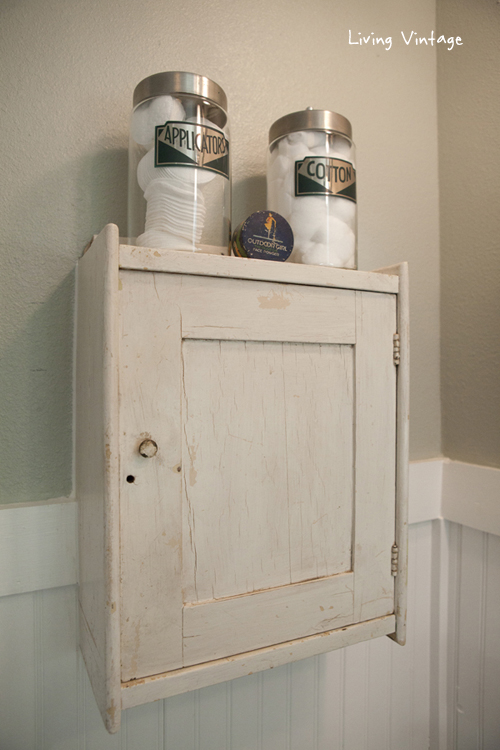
<point>440,690</point>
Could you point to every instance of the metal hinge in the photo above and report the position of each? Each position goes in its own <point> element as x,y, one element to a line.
<point>394,559</point>
<point>397,348</point>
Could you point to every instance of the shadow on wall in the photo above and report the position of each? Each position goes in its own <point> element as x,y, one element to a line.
<point>101,187</point>
<point>249,195</point>
<point>36,405</point>
<point>47,228</point>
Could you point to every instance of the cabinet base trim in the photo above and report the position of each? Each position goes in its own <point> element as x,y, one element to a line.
<point>160,686</point>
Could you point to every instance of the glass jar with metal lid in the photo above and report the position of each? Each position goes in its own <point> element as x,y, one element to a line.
<point>311,181</point>
<point>179,194</point>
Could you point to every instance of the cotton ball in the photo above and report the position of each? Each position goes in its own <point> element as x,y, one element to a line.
<point>341,146</point>
<point>274,191</point>
<point>316,254</point>
<point>300,249</point>
<point>315,139</point>
<point>284,205</point>
<point>298,137</point>
<point>343,209</point>
<point>304,228</point>
<point>341,239</point>
<point>151,113</point>
<point>273,154</point>
<point>280,167</point>
<point>321,254</point>
<point>278,199</point>
<point>299,151</point>
<point>293,151</point>
<point>310,207</point>
<point>289,183</point>
<point>308,215</point>
<point>321,234</point>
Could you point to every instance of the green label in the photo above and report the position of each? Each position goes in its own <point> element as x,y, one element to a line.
<point>324,175</point>
<point>189,144</point>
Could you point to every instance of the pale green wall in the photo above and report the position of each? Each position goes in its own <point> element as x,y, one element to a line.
<point>66,80</point>
<point>469,125</point>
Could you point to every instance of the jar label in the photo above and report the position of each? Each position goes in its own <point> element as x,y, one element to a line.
<point>180,143</point>
<point>325,175</point>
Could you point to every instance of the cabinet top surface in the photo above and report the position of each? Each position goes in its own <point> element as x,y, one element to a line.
<point>175,261</point>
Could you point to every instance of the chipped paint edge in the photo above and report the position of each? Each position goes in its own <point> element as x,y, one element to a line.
<point>100,281</point>
<point>157,687</point>
<point>135,258</point>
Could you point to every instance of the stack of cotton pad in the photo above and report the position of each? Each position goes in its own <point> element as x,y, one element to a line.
<point>175,212</point>
<point>323,226</point>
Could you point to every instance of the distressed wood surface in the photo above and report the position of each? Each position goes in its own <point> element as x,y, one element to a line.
<point>239,624</point>
<point>237,309</point>
<point>175,261</point>
<point>192,678</point>
<point>263,435</point>
<point>402,446</point>
<point>97,468</point>
<point>151,522</point>
<point>375,468</point>
<point>271,400</point>
<point>318,383</point>
<point>236,520</point>
<point>268,465</point>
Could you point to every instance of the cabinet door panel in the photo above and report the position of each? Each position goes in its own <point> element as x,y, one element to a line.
<point>268,512</point>
<point>150,501</point>
<point>214,308</point>
<point>244,623</point>
<point>267,465</point>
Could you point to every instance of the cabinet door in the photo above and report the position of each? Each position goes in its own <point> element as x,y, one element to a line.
<point>267,514</point>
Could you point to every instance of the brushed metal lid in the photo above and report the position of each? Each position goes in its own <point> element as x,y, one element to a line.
<point>310,119</point>
<point>177,82</point>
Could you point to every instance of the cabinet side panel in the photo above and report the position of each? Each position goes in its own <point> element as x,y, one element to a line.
<point>375,473</point>
<point>96,464</point>
<point>150,408</point>
<point>402,462</point>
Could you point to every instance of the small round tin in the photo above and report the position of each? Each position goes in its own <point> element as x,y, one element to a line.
<point>265,235</point>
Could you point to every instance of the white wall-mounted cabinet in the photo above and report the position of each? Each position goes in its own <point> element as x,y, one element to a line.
<point>241,460</point>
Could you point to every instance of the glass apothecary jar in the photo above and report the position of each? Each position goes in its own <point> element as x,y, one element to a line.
<point>311,181</point>
<point>179,192</point>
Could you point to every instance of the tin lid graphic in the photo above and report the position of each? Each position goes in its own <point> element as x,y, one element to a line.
<point>264,235</point>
